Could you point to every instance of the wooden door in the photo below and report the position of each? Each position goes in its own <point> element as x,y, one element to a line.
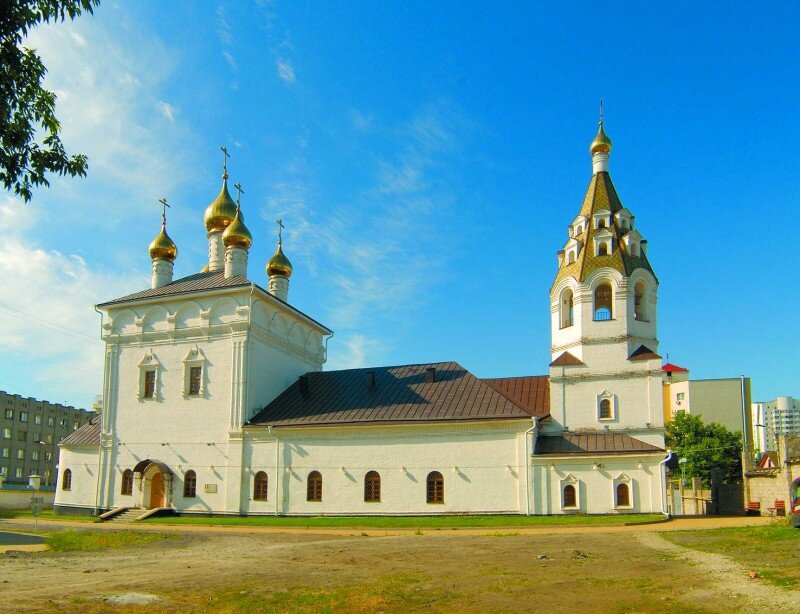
<point>157,491</point>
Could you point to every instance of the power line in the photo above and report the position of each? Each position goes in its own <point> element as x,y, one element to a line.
<point>46,323</point>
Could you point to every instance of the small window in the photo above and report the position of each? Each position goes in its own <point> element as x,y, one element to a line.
<point>372,487</point>
<point>602,250</point>
<point>23,416</point>
<point>49,439</point>
<point>3,470</point>
<point>22,435</point>
<point>681,396</point>
<point>20,454</point>
<point>195,376</point>
<point>566,309</point>
<point>9,414</point>
<point>66,480</point>
<point>6,433</point>
<point>570,257</point>
<point>150,384</point>
<point>48,456</point>
<point>190,484</point>
<point>6,452</point>
<point>435,487</point>
<point>605,409</point>
<point>34,455</point>
<point>37,419</point>
<point>260,486</point>
<point>570,496</point>
<point>638,301</point>
<point>127,482</point>
<point>51,421</point>
<point>623,495</point>
<point>602,303</point>
<point>18,474</point>
<point>601,224</point>
<point>314,486</point>
<point>63,423</point>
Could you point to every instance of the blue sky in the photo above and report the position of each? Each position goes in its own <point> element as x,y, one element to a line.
<point>426,159</point>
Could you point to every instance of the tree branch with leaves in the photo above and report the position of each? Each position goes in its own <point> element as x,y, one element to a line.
<point>30,146</point>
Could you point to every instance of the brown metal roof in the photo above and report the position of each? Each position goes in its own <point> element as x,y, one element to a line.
<point>567,360</point>
<point>643,353</point>
<point>591,443</point>
<point>87,435</point>
<point>532,392</point>
<point>400,394</point>
<point>200,282</point>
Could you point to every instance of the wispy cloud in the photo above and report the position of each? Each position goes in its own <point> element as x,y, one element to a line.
<point>361,121</point>
<point>384,249</point>
<point>286,71</point>
<point>166,109</point>
<point>225,34</point>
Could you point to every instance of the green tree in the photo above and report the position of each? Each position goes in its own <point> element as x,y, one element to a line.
<point>30,146</point>
<point>705,447</point>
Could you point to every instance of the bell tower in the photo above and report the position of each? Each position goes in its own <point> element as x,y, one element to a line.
<point>605,371</point>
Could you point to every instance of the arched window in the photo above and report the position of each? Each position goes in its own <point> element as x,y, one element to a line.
<point>638,301</point>
<point>314,486</point>
<point>570,257</point>
<point>605,409</point>
<point>66,480</point>
<point>602,249</point>
<point>566,308</point>
<point>260,486</point>
<point>601,224</point>
<point>623,495</point>
<point>435,487</point>
<point>602,302</point>
<point>190,484</point>
<point>570,497</point>
<point>372,487</point>
<point>127,482</point>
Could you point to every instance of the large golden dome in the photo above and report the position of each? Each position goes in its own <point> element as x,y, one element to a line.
<point>221,211</point>
<point>236,234</point>
<point>601,143</point>
<point>279,264</point>
<point>162,247</point>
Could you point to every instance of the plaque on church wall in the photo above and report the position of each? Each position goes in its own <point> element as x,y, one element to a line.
<point>210,488</point>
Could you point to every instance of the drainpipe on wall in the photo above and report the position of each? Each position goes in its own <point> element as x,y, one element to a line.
<point>527,469</point>
<point>663,478</point>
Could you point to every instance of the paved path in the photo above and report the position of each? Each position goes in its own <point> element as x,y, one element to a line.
<point>21,541</point>
<point>680,524</point>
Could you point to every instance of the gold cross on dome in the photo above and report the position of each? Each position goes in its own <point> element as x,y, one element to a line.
<point>601,110</point>
<point>280,230</point>
<point>164,205</point>
<point>225,156</point>
<point>239,191</point>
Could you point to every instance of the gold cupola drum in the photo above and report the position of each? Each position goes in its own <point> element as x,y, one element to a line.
<point>217,217</point>
<point>163,252</point>
<point>279,269</point>
<point>237,240</point>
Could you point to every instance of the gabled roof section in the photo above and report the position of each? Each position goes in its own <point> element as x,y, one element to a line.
<point>601,195</point>
<point>531,392</point>
<point>592,443</point>
<point>670,368</point>
<point>400,394</point>
<point>644,353</point>
<point>87,435</point>
<point>200,282</point>
<point>567,360</point>
<point>769,460</point>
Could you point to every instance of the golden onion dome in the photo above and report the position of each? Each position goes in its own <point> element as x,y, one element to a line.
<point>236,234</point>
<point>162,247</point>
<point>601,142</point>
<point>222,209</point>
<point>279,264</point>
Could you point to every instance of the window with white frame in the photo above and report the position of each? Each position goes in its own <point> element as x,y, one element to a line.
<point>149,369</point>
<point>570,493</point>
<point>603,242</point>
<point>566,308</point>
<point>623,492</point>
<point>194,373</point>
<point>606,406</point>
<point>639,299</point>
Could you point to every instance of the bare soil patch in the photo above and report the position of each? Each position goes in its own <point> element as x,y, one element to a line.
<point>218,572</point>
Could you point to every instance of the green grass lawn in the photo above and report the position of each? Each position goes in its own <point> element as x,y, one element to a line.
<point>772,550</point>
<point>91,541</point>
<point>44,515</point>
<point>404,522</point>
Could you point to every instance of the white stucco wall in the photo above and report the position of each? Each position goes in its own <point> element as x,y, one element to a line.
<point>82,461</point>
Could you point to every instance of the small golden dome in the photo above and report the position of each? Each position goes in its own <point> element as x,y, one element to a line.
<point>279,264</point>
<point>236,234</point>
<point>162,247</point>
<point>221,211</point>
<point>601,143</point>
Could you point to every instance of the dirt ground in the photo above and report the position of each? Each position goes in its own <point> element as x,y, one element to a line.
<point>615,570</point>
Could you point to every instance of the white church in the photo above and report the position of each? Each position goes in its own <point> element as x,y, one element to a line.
<point>215,400</point>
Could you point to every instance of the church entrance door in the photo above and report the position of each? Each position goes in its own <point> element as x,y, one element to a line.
<point>157,491</point>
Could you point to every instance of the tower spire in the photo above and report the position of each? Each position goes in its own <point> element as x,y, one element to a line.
<point>600,147</point>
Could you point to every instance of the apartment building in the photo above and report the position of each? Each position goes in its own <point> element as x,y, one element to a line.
<point>771,419</point>
<point>30,430</point>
